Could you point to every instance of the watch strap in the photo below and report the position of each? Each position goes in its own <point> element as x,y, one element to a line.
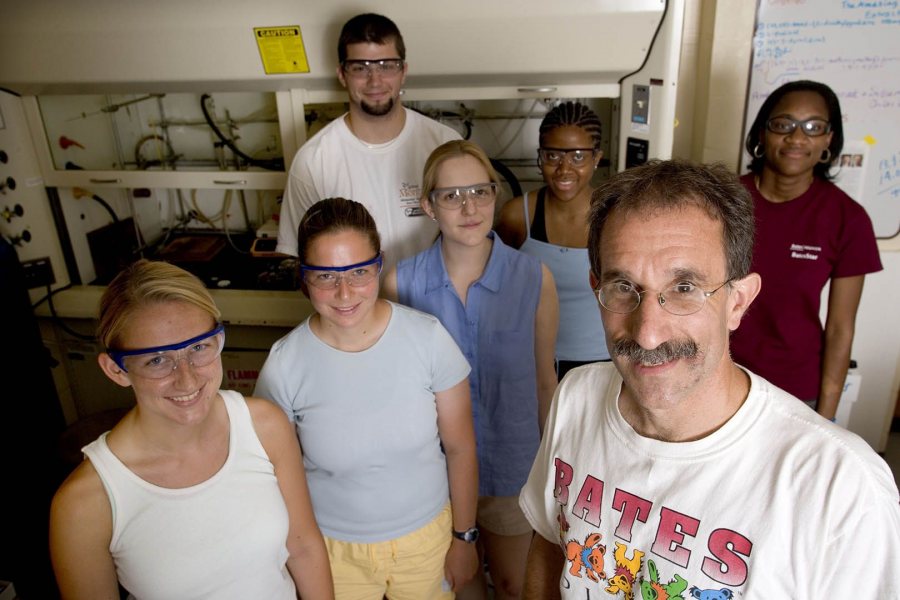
<point>469,535</point>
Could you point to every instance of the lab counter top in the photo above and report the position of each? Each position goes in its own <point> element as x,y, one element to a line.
<point>264,308</point>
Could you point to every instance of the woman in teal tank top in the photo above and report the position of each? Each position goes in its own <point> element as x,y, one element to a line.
<point>552,226</point>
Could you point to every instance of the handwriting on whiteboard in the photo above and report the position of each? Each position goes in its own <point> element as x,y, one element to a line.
<point>889,175</point>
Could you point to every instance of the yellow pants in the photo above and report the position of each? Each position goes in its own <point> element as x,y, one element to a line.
<point>410,567</point>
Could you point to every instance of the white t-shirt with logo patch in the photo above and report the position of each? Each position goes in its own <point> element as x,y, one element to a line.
<point>385,178</point>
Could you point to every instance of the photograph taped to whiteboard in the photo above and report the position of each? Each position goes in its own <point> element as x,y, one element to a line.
<point>852,167</point>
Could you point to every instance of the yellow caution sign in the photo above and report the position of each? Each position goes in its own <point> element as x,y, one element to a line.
<point>281,49</point>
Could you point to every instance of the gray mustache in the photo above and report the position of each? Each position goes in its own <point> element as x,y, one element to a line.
<point>665,352</point>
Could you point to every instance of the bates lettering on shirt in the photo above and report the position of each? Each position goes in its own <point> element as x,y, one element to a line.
<point>723,553</point>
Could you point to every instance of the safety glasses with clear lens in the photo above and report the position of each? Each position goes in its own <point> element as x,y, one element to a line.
<point>161,361</point>
<point>455,198</point>
<point>329,278</point>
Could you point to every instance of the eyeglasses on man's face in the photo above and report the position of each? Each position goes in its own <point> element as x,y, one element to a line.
<point>366,68</point>
<point>329,278</point>
<point>783,125</point>
<point>575,157</point>
<point>681,298</point>
<point>454,198</point>
<point>161,361</point>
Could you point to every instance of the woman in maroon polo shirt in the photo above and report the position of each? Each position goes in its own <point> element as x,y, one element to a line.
<point>809,233</point>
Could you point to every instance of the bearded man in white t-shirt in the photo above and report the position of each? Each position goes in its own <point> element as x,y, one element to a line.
<point>373,154</point>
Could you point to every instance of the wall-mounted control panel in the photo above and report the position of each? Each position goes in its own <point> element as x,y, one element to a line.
<point>640,104</point>
<point>26,219</point>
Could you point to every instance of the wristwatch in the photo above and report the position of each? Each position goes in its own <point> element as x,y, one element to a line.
<point>470,536</point>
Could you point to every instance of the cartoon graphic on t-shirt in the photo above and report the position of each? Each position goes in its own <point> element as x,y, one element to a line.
<point>587,556</point>
<point>652,589</point>
<point>680,540</point>
<point>723,594</point>
<point>626,572</point>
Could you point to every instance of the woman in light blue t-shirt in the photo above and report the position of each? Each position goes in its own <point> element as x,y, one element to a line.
<point>380,400</point>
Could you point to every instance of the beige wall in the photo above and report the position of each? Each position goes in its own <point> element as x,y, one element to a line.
<point>712,86</point>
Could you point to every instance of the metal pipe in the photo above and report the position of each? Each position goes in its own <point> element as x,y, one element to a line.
<point>167,139</point>
<point>117,136</point>
<point>62,233</point>
<point>203,123</point>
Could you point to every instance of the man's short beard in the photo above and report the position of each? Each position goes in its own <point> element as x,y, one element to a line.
<point>378,110</point>
<point>665,352</point>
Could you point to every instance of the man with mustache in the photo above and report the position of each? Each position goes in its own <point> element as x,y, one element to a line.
<point>677,453</point>
<point>375,152</point>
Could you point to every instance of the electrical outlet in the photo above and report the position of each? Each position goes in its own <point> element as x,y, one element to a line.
<point>38,272</point>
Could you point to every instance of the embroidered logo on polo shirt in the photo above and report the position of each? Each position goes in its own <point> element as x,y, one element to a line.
<point>805,252</point>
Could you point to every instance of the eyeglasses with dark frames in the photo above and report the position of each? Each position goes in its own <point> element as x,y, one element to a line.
<point>784,125</point>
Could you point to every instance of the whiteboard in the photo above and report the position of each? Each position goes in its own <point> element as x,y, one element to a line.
<point>853,46</point>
